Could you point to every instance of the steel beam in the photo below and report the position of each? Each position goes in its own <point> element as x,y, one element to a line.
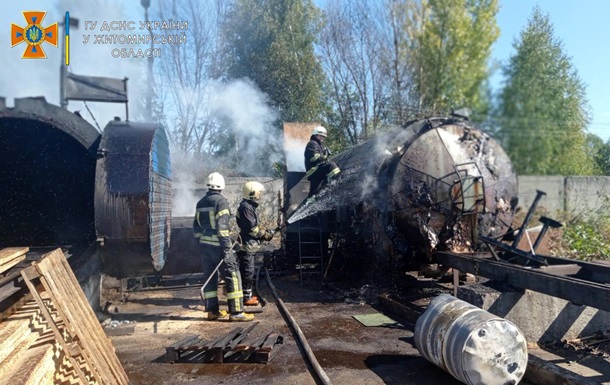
<point>578,291</point>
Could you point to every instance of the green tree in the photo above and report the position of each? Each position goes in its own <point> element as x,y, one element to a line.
<point>600,153</point>
<point>452,44</point>
<point>271,42</point>
<point>543,112</point>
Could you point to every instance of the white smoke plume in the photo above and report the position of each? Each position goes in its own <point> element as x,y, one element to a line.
<point>186,171</point>
<point>294,154</point>
<point>251,121</point>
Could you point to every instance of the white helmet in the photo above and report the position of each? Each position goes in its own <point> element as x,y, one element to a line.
<point>252,190</point>
<point>216,181</point>
<point>319,130</point>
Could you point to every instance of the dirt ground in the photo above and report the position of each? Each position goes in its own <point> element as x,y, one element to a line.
<point>348,351</point>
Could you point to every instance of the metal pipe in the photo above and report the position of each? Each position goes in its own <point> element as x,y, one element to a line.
<point>528,217</point>
<point>214,272</point>
<point>322,377</point>
<point>209,278</point>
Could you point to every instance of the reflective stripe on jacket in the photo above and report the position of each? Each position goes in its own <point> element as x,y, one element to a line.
<point>313,152</point>
<point>211,224</point>
<point>249,230</point>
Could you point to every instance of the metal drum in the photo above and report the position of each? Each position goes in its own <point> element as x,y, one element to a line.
<point>474,346</point>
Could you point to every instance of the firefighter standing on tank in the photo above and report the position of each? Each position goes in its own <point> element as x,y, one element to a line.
<point>211,227</point>
<point>251,236</point>
<point>317,165</point>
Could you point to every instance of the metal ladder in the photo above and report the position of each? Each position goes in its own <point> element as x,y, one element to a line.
<point>311,247</point>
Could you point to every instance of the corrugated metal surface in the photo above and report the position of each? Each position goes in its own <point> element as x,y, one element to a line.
<point>133,198</point>
<point>160,199</point>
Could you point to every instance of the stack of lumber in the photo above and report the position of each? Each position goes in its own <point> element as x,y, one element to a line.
<point>56,338</point>
<point>11,256</point>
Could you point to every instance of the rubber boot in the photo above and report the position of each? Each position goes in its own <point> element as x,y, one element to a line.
<point>214,315</point>
<point>241,317</point>
<point>253,301</point>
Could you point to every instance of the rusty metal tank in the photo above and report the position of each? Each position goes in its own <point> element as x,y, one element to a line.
<point>65,185</point>
<point>133,194</point>
<point>47,174</point>
<point>433,184</point>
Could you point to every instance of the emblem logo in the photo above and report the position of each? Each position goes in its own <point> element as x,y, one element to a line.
<point>34,35</point>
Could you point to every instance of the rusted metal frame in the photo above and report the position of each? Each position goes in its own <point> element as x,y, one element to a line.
<point>493,251</point>
<point>513,251</point>
<point>546,223</point>
<point>29,274</point>
<point>528,217</point>
<point>590,271</point>
<point>462,191</point>
<point>576,290</point>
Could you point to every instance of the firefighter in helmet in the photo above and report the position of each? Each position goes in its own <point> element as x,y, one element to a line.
<point>317,165</point>
<point>251,236</point>
<point>211,227</point>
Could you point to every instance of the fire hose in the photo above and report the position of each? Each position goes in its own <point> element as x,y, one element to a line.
<point>322,377</point>
<point>273,232</point>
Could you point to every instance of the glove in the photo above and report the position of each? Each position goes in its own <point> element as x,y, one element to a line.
<point>268,235</point>
<point>227,254</point>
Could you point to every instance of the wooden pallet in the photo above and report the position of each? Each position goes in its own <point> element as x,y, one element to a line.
<point>89,352</point>
<point>232,347</point>
<point>11,256</point>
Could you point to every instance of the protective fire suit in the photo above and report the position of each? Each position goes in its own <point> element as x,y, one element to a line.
<point>251,236</point>
<point>211,227</point>
<point>317,165</point>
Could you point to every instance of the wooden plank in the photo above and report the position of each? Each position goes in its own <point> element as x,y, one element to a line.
<point>9,264</point>
<point>47,315</point>
<point>269,342</point>
<point>16,329</point>
<point>70,300</point>
<point>251,344</point>
<point>75,292</point>
<point>36,367</point>
<point>80,321</point>
<point>269,349</point>
<point>173,352</point>
<point>227,338</point>
<point>9,253</point>
<point>209,343</point>
<point>569,269</point>
<point>240,337</point>
<point>187,340</point>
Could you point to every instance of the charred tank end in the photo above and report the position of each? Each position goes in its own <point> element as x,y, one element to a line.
<point>47,171</point>
<point>133,198</point>
<point>434,184</point>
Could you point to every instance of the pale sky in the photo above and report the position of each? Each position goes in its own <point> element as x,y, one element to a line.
<point>581,25</point>
<point>584,29</point>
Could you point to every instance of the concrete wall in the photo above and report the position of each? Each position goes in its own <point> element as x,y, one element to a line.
<point>540,317</point>
<point>578,195</point>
